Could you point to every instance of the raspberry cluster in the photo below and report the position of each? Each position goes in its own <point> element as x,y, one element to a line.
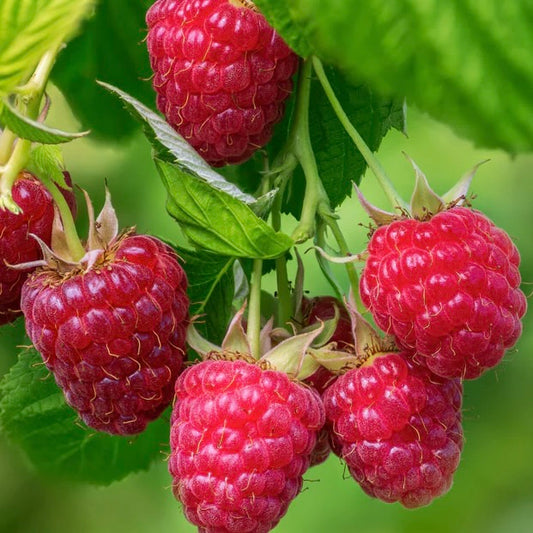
<point>221,73</point>
<point>111,319</point>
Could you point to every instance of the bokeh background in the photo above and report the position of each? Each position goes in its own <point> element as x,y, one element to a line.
<point>493,489</point>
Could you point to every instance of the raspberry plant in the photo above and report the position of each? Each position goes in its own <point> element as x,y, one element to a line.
<point>261,117</point>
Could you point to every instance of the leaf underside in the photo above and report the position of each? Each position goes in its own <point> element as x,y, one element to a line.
<point>34,415</point>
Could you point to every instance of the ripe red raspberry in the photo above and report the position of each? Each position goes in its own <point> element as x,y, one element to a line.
<point>447,288</point>
<point>112,333</point>
<point>398,427</point>
<point>222,75</point>
<point>16,245</point>
<point>240,439</point>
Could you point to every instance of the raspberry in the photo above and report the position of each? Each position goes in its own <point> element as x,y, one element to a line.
<point>241,438</point>
<point>222,75</point>
<point>447,288</point>
<point>16,246</point>
<point>112,334</point>
<point>398,427</point>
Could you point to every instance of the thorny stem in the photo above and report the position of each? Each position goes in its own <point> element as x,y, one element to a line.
<point>254,310</point>
<point>30,96</point>
<point>369,157</point>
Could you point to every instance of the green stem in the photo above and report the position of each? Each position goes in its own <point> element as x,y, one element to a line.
<point>75,247</point>
<point>17,161</point>
<point>315,198</point>
<point>367,154</point>
<point>285,310</point>
<point>29,96</point>
<point>33,91</point>
<point>350,268</point>
<point>254,309</point>
<point>6,146</point>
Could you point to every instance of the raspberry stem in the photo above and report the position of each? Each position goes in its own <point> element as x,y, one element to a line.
<point>254,309</point>
<point>325,266</point>
<point>359,142</point>
<point>17,155</point>
<point>75,248</point>
<point>350,268</point>
<point>282,278</point>
<point>7,138</point>
<point>315,199</point>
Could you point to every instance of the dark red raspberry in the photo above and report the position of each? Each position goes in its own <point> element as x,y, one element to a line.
<point>112,334</point>
<point>447,288</point>
<point>240,439</point>
<point>222,75</point>
<point>398,427</point>
<point>16,245</point>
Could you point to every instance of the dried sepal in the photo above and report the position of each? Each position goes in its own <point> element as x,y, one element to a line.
<point>354,258</point>
<point>236,339</point>
<point>291,356</point>
<point>424,201</point>
<point>379,216</point>
<point>265,337</point>
<point>336,361</point>
<point>107,222</point>
<point>103,230</point>
<point>199,344</point>
<point>458,193</point>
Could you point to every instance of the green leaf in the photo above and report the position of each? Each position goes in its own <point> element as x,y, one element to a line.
<point>210,288</point>
<point>339,162</point>
<point>110,48</point>
<point>34,131</point>
<point>172,147</point>
<point>34,415</point>
<point>217,222</point>
<point>466,62</point>
<point>29,28</point>
<point>47,161</point>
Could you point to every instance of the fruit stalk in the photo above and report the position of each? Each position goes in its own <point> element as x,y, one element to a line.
<point>254,309</point>
<point>7,138</point>
<point>282,278</point>
<point>315,199</point>
<point>75,247</point>
<point>29,96</point>
<point>350,268</point>
<point>359,142</point>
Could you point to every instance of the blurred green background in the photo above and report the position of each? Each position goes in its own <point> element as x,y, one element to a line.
<point>493,489</point>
